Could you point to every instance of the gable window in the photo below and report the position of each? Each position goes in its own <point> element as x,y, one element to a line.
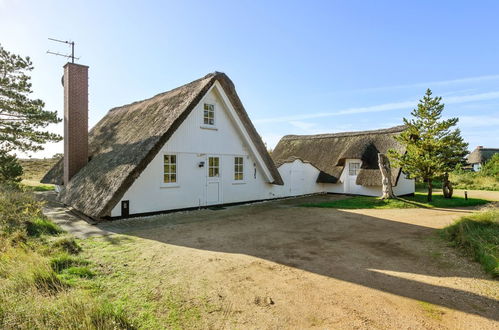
<point>170,169</point>
<point>213,167</point>
<point>353,168</point>
<point>238,169</point>
<point>209,114</point>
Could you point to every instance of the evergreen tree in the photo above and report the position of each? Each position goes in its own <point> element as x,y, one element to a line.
<point>432,148</point>
<point>21,117</point>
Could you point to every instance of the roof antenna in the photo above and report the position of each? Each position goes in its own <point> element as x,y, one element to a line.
<point>71,43</point>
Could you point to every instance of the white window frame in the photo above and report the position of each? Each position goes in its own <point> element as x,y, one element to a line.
<point>356,169</point>
<point>241,170</point>
<point>163,173</point>
<point>208,118</point>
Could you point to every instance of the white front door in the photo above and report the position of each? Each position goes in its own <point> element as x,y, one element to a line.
<point>352,171</point>
<point>213,184</point>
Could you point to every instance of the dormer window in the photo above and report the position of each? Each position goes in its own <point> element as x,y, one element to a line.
<point>209,114</point>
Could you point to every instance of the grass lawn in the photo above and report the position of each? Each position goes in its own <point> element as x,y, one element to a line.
<point>418,200</point>
<point>477,235</point>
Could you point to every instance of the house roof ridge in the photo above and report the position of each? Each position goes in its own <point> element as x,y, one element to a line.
<point>393,129</point>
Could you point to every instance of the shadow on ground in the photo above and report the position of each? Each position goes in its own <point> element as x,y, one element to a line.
<point>347,246</point>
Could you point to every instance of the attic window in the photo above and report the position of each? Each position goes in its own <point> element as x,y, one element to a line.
<point>353,168</point>
<point>170,169</point>
<point>209,114</point>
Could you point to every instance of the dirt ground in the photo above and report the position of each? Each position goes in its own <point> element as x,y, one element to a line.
<point>278,265</point>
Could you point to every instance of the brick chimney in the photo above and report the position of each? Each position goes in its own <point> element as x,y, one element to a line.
<point>75,82</point>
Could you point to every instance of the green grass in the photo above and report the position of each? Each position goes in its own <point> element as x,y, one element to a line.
<point>42,226</point>
<point>50,280</point>
<point>474,181</point>
<point>34,169</point>
<point>418,200</point>
<point>478,236</point>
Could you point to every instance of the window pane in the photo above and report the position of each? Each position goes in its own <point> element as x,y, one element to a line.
<point>173,168</point>
<point>173,159</point>
<point>166,178</point>
<point>215,171</point>
<point>216,161</point>
<point>173,178</point>
<point>210,172</point>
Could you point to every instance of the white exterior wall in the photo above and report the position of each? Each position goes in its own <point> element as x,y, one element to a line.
<point>290,173</point>
<point>404,186</point>
<point>299,179</point>
<point>193,143</point>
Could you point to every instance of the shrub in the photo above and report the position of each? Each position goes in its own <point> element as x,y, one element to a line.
<point>491,167</point>
<point>10,169</point>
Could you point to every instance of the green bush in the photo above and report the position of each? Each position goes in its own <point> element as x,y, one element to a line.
<point>491,167</point>
<point>10,169</point>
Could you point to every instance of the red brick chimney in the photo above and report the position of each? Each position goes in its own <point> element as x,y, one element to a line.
<point>75,82</point>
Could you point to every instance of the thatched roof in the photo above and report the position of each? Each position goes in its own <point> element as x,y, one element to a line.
<point>328,153</point>
<point>481,155</point>
<point>125,141</point>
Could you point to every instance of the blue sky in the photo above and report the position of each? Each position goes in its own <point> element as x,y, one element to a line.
<point>299,67</point>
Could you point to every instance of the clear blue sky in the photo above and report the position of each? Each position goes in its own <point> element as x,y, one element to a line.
<point>299,67</point>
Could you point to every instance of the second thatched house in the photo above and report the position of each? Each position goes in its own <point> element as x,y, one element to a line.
<point>479,156</point>
<point>344,163</point>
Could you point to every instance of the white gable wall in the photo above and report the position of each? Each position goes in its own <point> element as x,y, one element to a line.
<point>192,143</point>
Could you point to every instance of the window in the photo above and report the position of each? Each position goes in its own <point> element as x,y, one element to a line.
<point>238,168</point>
<point>170,169</point>
<point>209,114</point>
<point>353,168</point>
<point>213,167</point>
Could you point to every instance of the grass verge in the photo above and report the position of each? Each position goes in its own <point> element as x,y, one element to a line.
<point>50,280</point>
<point>478,236</point>
<point>418,200</point>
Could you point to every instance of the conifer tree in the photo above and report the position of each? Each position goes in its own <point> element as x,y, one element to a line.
<point>22,119</point>
<point>433,148</point>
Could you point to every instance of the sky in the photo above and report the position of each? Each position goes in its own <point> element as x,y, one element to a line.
<point>300,67</point>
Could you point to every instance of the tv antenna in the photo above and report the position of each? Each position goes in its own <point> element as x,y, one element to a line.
<point>71,56</point>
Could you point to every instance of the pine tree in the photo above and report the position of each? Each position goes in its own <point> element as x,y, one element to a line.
<point>21,117</point>
<point>432,148</point>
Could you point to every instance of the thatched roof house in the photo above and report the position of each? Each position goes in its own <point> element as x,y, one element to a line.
<point>128,138</point>
<point>328,153</point>
<point>480,155</point>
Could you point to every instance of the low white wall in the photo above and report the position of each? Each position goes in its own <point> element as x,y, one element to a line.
<point>299,179</point>
<point>404,186</point>
<point>294,186</point>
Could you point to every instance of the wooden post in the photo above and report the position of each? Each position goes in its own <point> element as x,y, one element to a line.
<point>386,176</point>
